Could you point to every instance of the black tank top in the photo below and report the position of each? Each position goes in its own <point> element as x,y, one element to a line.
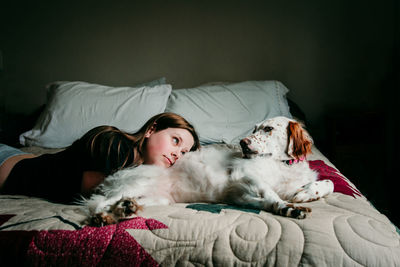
<point>58,177</point>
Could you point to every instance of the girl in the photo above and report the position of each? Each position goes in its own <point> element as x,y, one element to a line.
<point>77,170</point>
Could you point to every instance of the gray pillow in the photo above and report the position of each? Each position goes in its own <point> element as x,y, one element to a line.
<point>73,108</point>
<point>225,113</point>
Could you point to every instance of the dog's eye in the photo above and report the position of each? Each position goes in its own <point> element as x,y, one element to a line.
<point>268,129</point>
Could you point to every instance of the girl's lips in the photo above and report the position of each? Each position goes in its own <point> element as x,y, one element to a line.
<point>169,161</point>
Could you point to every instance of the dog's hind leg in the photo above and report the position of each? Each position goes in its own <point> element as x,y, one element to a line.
<point>290,210</point>
<point>125,208</point>
<point>246,193</point>
<point>111,211</point>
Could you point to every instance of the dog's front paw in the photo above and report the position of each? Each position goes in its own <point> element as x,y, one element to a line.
<point>312,191</point>
<point>102,219</point>
<point>292,211</point>
<point>306,193</point>
<point>125,208</point>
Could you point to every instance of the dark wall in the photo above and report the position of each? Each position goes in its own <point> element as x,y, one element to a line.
<point>336,57</point>
<point>337,53</point>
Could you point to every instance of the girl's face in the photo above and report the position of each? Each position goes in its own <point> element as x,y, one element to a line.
<point>165,147</point>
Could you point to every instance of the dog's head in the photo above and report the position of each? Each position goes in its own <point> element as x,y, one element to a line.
<point>280,137</point>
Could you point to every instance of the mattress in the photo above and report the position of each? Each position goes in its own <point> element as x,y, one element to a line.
<point>344,229</point>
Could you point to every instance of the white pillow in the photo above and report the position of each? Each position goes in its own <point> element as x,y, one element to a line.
<point>228,112</point>
<point>73,108</point>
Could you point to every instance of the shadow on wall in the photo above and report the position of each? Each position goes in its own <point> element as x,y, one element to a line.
<point>327,54</point>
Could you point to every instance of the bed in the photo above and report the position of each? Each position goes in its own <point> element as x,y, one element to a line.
<point>343,230</point>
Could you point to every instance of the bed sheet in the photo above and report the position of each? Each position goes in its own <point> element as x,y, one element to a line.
<point>344,229</point>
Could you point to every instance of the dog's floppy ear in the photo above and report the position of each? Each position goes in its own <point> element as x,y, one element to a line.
<point>299,141</point>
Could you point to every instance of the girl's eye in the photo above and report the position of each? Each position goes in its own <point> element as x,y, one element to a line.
<point>183,153</point>
<point>175,140</point>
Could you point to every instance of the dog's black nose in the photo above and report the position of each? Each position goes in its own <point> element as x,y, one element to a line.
<point>244,143</point>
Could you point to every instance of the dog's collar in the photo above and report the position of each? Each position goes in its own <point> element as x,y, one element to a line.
<point>256,155</point>
<point>293,161</point>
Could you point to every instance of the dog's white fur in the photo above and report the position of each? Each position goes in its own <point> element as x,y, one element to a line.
<point>256,177</point>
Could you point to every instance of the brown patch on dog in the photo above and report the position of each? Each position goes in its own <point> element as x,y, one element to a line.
<point>299,141</point>
<point>102,219</point>
<point>126,207</point>
<point>306,209</point>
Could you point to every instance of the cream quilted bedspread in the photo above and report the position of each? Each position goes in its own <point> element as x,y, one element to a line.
<point>342,231</point>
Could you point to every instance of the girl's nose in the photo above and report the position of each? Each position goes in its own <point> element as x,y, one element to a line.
<point>175,155</point>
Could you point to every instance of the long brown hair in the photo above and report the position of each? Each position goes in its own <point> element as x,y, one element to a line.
<point>130,147</point>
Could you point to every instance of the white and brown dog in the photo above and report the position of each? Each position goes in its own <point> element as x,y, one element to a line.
<point>269,173</point>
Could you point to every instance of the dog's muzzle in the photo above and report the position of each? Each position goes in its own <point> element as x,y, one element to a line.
<point>246,150</point>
